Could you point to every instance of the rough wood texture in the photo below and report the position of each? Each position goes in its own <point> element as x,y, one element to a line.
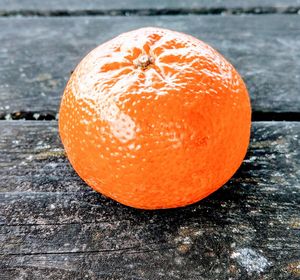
<point>103,5</point>
<point>54,227</point>
<point>37,55</point>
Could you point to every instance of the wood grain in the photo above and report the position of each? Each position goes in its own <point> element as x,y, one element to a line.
<point>52,225</point>
<point>38,55</point>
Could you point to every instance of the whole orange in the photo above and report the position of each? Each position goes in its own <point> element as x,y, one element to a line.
<point>155,119</point>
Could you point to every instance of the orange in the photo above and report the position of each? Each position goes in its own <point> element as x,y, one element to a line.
<point>155,119</point>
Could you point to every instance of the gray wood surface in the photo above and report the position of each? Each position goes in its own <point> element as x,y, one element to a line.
<point>37,55</point>
<point>52,226</point>
<point>134,5</point>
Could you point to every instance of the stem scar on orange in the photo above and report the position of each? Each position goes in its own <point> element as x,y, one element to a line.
<point>155,119</point>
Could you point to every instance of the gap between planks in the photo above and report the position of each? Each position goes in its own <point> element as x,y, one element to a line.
<point>49,116</point>
<point>260,10</point>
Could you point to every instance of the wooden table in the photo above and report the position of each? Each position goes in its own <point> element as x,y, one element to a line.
<point>52,226</point>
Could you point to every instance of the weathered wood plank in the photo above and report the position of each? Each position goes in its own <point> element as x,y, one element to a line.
<point>37,55</point>
<point>52,224</point>
<point>216,261</point>
<point>102,5</point>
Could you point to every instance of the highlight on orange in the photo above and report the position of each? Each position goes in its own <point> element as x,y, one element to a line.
<point>155,119</point>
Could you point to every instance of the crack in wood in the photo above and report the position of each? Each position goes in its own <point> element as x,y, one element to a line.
<point>132,250</point>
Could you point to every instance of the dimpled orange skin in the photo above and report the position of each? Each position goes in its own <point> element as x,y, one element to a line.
<point>155,119</point>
